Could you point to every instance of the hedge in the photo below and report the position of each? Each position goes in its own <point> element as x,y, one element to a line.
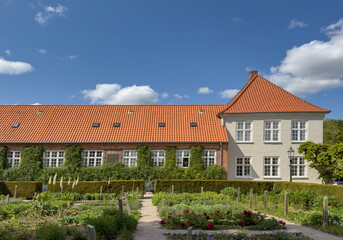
<point>94,186</point>
<point>25,189</point>
<point>194,186</point>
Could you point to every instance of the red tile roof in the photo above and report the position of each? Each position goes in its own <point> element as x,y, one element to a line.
<point>262,96</point>
<point>73,124</point>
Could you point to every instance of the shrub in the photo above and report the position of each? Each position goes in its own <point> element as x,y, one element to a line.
<point>31,162</point>
<point>214,172</point>
<point>50,231</point>
<point>25,189</point>
<point>229,191</point>
<point>73,158</point>
<point>143,157</point>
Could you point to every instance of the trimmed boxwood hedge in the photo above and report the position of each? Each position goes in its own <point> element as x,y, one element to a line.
<point>25,189</point>
<point>94,186</point>
<point>194,186</point>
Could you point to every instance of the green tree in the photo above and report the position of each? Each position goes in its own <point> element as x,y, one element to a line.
<point>333,131</point>
<point>328,161</point>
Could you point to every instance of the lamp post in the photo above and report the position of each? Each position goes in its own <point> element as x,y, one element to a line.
<point>290,156</point>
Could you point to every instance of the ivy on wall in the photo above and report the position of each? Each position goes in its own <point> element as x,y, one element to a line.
<point>170,157</point>
<point>196,167</point>
<point>3,157</point>
<point>31,162</point>
<point>72,158</point>
<point>143,157</point>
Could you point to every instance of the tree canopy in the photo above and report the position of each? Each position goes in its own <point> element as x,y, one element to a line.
<point>333,131</point>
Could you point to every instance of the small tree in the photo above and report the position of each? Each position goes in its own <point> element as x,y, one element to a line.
<point>3,157</point>
<point>31,162</point>
<point>328,161</point>
<point>73,158</point>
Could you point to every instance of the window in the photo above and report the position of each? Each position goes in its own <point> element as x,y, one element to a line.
<point>157,158</point>
<point>194,124</point>
<point>271,167</point>
<point>298,131</point>
<point>244,131</point>
<point>13,158</point>
<point>182,158</point>
<point>91,158</point>
<point>162,124</point>
<point>96,125</point>
<point>130,158</point>
<point>53,158</point>
<point>116,124</point>
<point>209,157</point>
<point>15,125</point>
<point>298,167</point>
<point>243,165</point>
<point>271,131</point>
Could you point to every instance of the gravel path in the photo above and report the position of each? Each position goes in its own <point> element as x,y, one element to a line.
<point>149,224</point>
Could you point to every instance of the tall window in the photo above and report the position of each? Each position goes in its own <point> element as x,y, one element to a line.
<point>157,157</point>
<point>271,167</point>
<point>13,158</point>
<point>209,157</point>
<point>91,158</point>
<point>53,158</point>
<point>244,131</point>
<point>298,131</point>
<point>182,158</point>
<point>271,131</point>
<point>243,165</point>
<point>298,167</point>
<point>130,158</point>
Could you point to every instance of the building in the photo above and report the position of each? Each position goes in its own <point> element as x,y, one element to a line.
<point>249,136</point>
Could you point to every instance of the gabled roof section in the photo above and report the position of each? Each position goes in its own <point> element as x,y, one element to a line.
<point>137,124</point>
<point>262,96</point>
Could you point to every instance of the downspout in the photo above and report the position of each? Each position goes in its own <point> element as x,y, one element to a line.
<point>221,154</point>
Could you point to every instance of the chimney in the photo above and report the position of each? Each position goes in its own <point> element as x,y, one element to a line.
<point>252,74</point>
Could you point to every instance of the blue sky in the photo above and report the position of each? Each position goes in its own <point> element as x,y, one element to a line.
<point>168,51</point>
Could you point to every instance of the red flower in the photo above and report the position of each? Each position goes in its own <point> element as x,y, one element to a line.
<point>255,209</point>
<point>183,225</point>
<point>162,222</point>
<point>282,222</point>
<point>248,214</point>
<point>195,214</point>
<point>217,212</point>
<point>186,211</point>
<point>189,223</point>
<point>210,226</point>
<point>228,213</point>
<point>244,212</point>
<point>207,217</point>
<point>241,222</point>
<point>169,217</point>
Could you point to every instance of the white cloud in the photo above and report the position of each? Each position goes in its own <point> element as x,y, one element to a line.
<point>238,20</point>
<point>41,51</point>
<point>164,95</point>
<point>14,68</point>
<point>8,52</point>
<point>313,66</point>
<point>228,93</point>
<point>178,96</point>
<point>204,90</point>
<point>115,94</point>
<point>49,13</point>
<point>71,57</point>
<point>37,103</point>
<point>295,23</point>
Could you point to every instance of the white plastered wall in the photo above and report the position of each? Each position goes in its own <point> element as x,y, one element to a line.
<point>258,149</point>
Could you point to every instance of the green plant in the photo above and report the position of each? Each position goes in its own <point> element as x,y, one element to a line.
<point>31,162</point>
<point>3,157</point>
<point>143,157</point>
<point>50,231</point>
<point>214,172</point>
<point>73,158</point>
<point>25,189</point>
<point>229,191</point>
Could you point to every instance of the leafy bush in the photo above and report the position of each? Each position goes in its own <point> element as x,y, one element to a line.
<point>73,158</point>
<point>214,172</point>
<point>229,191</point>
<point>31,162</point>
<point>50,231</point>
<point>25,189</point>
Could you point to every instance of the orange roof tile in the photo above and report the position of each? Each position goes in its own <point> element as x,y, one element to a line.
<point>261,96</point>
<point>73,124</point>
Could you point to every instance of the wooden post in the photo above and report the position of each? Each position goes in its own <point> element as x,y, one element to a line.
<point>325,212</point>
<point>120,205</point>
<point>189,233</point>
<point>91,232</point>
<point>265,198</point>
<point>122,191</point>
<point>174,212</point>
<point>7,199</point>
<point>100,193</point>
<point>238,193</point>
<point>137,194</point>
<point>250,200</point>
<point>127,203</point>
<point>286,204</point>
<point>61,189</point>
<point>202,189</point>
<point>172,188</point>
<point>35,196</point>
<point>15,192</point>
<point>68,205</point>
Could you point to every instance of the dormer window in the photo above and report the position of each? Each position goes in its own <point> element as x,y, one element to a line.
<point>96,125</point>
<point>15,125</point>
<point>194,124</point>
<point>162,124</point>
<point>116,125</point>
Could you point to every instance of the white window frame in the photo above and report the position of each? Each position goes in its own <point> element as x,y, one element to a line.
<point>297,167</point>
<point>208,159</point>
<point>49,157</point>
<point>243,165</point>
<point>130,156</point>
<point>272,130</point>
<point>87,157</point>
<point>181,155</point>
<point>271,165</point>
<point>298,129</point>
<point>13,158</point>
<point>244,130</point>
<point>158,159</point>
